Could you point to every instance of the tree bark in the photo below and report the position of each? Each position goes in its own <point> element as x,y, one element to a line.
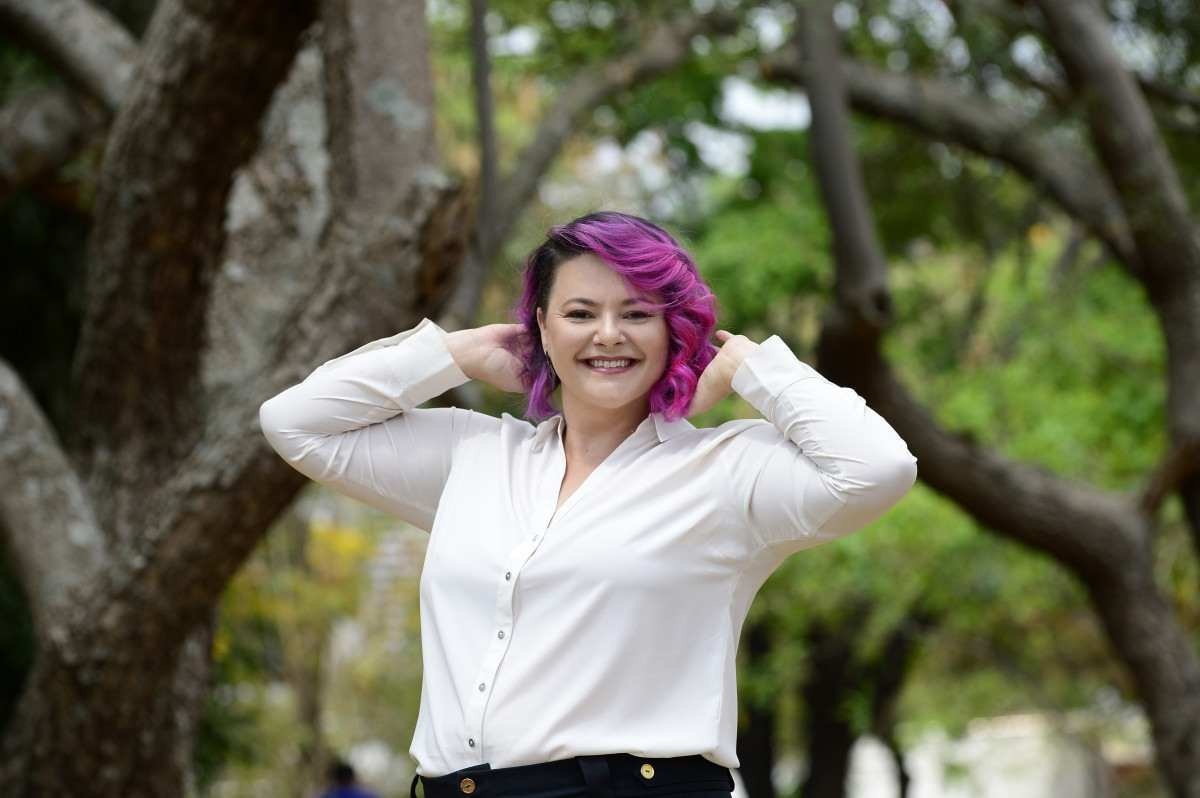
<point>53,554</point>
<point>99,716</point>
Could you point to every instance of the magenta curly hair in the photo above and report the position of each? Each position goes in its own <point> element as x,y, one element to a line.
<point>651,261</point>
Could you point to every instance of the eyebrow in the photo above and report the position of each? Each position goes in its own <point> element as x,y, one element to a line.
<point>593,303</point>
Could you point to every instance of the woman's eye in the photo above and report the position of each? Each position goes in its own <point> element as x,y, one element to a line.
<point>583,314</point>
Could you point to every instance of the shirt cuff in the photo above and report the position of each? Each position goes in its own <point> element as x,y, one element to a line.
<point>767,372</point>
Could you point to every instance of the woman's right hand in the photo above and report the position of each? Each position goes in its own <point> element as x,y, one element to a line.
<point>483,354</point>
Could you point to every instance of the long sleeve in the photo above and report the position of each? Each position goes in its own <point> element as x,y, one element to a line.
<point>825,466</point>
<point>353,423</point>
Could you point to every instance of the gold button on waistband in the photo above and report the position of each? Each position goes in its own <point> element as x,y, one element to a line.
<point>467,786</point>
<point>647,770</point>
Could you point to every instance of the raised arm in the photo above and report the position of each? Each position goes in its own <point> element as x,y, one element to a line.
<point>353,423</point>
<point>825,466</point>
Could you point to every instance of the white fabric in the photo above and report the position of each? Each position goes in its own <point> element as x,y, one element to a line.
<point>616,628</point>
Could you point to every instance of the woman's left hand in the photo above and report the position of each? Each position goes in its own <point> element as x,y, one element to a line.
<point>717,380</point>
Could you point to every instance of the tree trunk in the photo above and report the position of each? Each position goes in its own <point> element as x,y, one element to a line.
<point>101,716</point>
<point>756,737</point>
<point>827,728</point>
<point>1142,627</point>
<point>887,675</point>
<point>138,525</point>
<point>837,672</point>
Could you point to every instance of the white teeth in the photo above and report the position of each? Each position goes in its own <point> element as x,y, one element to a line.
<point>609,364</point>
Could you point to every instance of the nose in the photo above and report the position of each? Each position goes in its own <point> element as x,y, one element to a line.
<point>609,332</point>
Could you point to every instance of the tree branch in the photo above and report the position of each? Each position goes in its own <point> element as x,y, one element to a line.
<point>667,46</point>
<point>1147,184</point>
<point>376,94</point>
<point>1018,18</point>
<point>382,263</point>
<point>860,284</point>
<point>1180,464</point>
<point>52,534</point>
<point>472,273</point>
<point>1151,192</point>
<point>230,491</point>
<point>1168,94</point>
<point>208,71</point>
<point>1085,529</point>
<point>1024,503</point>
<point>940,111</point>
<point>84,41</point>
<point>40,131</point>
<point>481,69</point>
<point>44,129</point>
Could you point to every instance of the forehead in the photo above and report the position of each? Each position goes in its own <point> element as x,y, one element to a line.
<point>587,276</point>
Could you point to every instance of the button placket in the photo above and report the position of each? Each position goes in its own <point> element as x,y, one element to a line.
<point>505,593</point>
<point>492,658</point>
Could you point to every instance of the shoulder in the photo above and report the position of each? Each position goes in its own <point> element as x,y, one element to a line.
<point>714,440</point>
<point>727,429</point>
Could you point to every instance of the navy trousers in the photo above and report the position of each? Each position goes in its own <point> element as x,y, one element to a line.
<point>600,776</point>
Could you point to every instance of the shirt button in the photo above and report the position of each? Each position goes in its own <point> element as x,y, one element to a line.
<point>507,575</point>
<point>535,537</point>
<point>500,634</point>
<point>471,741</point>
<point>482,686</point>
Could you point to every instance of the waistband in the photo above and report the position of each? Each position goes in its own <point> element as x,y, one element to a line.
<point>601,775</point>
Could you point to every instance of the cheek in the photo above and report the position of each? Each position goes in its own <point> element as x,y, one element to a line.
<point>660,347</point>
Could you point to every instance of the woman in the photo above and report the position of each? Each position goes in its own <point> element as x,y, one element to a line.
<point>587,578</point>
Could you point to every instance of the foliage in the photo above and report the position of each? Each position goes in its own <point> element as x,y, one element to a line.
<point>273,646</point>
<point>1045,357</point>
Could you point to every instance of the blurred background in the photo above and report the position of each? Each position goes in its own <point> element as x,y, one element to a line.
<point>977,213</point>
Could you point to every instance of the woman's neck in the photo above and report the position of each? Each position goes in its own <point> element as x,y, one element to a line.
<point>593,433</point>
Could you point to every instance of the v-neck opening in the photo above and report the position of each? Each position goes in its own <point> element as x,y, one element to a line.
<point>591,477</point>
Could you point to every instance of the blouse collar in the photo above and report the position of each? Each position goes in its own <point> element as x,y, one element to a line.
<point>663,429</point>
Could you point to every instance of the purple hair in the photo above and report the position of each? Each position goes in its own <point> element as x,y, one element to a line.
<point>651,261</point>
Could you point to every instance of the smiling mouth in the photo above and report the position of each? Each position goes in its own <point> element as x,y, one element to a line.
<point>610,365</point>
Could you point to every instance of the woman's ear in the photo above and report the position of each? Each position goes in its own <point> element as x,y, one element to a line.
<point>541,322</point>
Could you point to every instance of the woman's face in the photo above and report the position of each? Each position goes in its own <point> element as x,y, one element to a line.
<point>592,314</point>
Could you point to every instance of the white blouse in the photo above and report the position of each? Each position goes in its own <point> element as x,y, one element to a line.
<point>611,625</point>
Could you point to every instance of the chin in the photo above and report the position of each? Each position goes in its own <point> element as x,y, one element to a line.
<point>619,403</point>
<point>613,402</point>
